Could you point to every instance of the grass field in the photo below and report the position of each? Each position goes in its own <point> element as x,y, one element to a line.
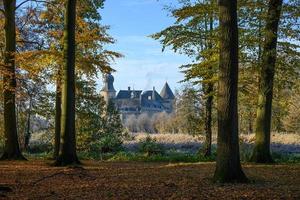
<point>139,180</point>
<point>280,142</point>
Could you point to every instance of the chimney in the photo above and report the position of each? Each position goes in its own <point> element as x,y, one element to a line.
<point>153,94</point>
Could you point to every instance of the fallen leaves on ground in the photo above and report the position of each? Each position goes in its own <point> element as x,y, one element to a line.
<point>137,180</point>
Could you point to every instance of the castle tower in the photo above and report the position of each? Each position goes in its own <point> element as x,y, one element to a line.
<point>108,91</point>
<point>168,97</point>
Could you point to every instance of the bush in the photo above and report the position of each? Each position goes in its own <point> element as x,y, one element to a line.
<point>98,126</point>
<point>149,146</point>
<point>286,158</point>
<point>41,142</point>
<point>171,157</point>
<point>40,148</point>
<point>106,143</point>
<point>245,152</point>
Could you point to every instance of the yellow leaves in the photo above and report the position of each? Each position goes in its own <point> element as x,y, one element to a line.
<point>90,40</point>
<point>43,16</point>
<point>199,10</point>
<point>91,56</point>
<point>57,34</point>
<point>35,61</point>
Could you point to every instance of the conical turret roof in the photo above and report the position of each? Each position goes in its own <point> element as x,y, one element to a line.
<point>166,92</point>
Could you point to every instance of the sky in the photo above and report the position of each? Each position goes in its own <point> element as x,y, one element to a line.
<point>144,65</point>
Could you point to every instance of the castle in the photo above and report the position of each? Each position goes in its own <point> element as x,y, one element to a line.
<point>135,102</point>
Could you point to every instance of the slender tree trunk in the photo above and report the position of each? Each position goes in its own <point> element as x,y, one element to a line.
<point>259,37</point>
<point>11,148</point>
<point>67,154</point>
<point>250,127</point>
<point>228,167</point>
<point>208,120</point>
<point>261,152</point>
<point>209,95</point>
<point>28,133</point>
<point>57,115</point>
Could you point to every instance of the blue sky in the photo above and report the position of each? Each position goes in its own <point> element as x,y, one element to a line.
<point>144,64</point>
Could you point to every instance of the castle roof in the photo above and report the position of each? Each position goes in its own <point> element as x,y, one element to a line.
<point>151,94</point>
<point>127,94</point>
<point>151,104</point>
<point>166,92</point>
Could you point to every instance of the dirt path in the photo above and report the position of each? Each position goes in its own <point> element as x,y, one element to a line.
<point>130,180</point>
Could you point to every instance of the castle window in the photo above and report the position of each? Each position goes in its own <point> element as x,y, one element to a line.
<point>149,97</point>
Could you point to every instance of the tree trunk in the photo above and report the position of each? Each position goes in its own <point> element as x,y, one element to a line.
<point>11,148</point>
<point>57,115</point>
<point>261,152</point>
<point>67,153</point>
<point>250,127</point>
<point>228,167</point>
<point>209,95</point>
<point>28,133</point>
<point>208,120</point>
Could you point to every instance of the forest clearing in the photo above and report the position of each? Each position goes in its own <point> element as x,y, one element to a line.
<point>137,180</point>
<point>225,124</point>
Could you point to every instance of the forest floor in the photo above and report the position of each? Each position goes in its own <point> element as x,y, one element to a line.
<point>143,180</point>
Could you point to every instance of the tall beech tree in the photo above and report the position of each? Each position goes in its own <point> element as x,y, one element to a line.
<point>11,148</point>
<point>91,55</point>
<point>194,34</point>
<point>228,168</point>
<point>261,152</point>
<point>67,154</point>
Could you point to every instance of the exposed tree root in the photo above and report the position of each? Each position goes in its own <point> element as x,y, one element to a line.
<point>77,172</point>
<point>7,156</point>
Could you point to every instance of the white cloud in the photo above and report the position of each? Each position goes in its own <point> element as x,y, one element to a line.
<point>145,65</point>
<point>144,74</point>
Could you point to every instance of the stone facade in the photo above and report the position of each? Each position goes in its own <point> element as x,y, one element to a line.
<point>135,102</point>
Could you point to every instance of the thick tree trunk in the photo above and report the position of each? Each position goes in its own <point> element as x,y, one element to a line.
<point>11,148</point>
<point>261,152</point>
<point>67,154</point>
<point>228,167</point>
<point>57,115</point>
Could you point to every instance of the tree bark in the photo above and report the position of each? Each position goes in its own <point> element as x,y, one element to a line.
<point>208,120</point>
<point>228,167</point>
<point>11,148</point>
<point>28,126</point>
<point>250,127</point>
<point>57,115</point>
<point>67,154</point>
<point>261,152</point>
<point>209,94</point>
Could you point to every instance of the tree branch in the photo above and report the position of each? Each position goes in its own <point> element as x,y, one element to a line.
<point>25,41</point>
<point>22,3</point>
<point>36,1</point>
<point>1,10</point>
